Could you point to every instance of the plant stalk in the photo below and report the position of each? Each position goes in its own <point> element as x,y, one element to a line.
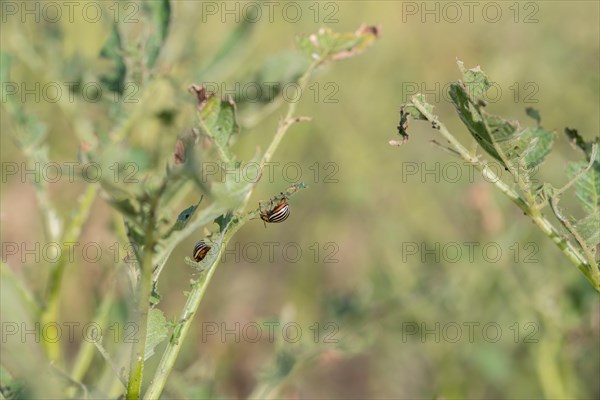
<point>528,207</point>
<point>138,351</point>
<point>187,315</point>
<point>50,312</point>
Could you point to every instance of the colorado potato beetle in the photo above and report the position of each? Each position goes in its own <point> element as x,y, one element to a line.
<point>277,214</point>
<point>200,250</point>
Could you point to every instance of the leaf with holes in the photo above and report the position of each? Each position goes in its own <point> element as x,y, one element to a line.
<point>589,229</point>
<point>327,45</point>
<point>157,331</point>
<point>216,119</point>
<point>587,187</point>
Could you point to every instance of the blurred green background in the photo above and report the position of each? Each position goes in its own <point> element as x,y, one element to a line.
<point>374,293</point>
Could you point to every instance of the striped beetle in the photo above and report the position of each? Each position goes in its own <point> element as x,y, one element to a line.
<point>200,250</point>
<point>277,214</point>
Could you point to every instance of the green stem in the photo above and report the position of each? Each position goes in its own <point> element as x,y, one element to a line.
<point>206,215</point>
<point>199,289</point>
<point>50,312</point>
<point>592,270</point>
<point>546,226</point>
<point>138,350</point>
<point>287,119</point>
<point>187,315</point>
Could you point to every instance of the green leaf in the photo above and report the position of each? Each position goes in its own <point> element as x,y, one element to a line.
<point>475,81</point>
<point>589,229</point>
<point>114,80</point>
<point>160,14</point>
<point>502,139</point>
<point>587,187</point>
<point>216,119</point>
<point>185,216</point>
<point>157,331</point>
<point>327,45</point>
<point>223,220</point>
<point>540,145</point>
<point>469,115</point>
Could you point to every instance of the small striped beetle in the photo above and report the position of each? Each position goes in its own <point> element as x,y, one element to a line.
<point>277,214</point>
<point>200,250</point>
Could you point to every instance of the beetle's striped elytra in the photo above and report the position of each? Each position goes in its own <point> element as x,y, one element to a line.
<point>277,214</point>
<point>200,250</point>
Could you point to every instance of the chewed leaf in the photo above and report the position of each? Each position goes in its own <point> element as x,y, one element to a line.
<point>470,116</point>
<point>502,139</point>
<point>157,331</point>
<point>216,119</point>
<point>475,81</point>
<point>589,229</point>
<point>327,45</point>
<point>587,186</point>
<point>223,220</point>
<point>540,144</point>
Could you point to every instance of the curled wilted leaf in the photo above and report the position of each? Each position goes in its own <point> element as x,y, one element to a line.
<point>410,110</point>
<point>201,94</point>
<point>179,152</point>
